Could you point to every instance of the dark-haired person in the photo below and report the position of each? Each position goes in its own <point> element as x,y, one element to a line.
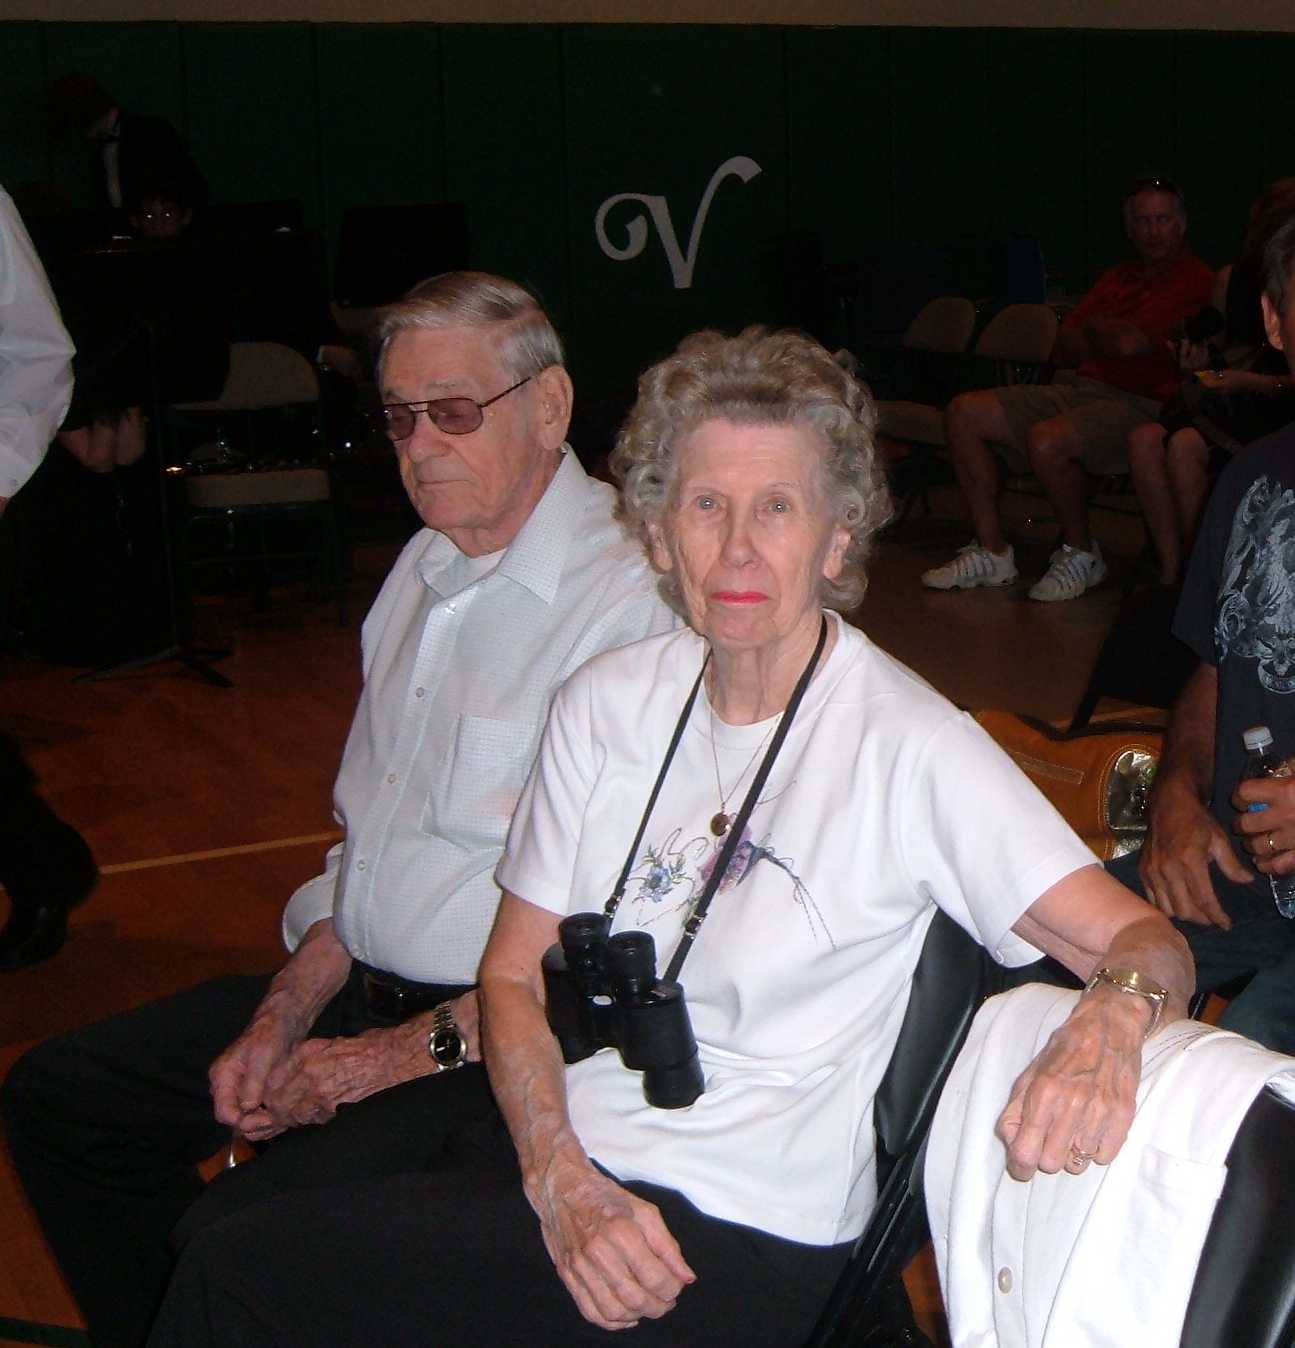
<point>1116,371</point>
<point>1210,851</point>
<point>343,1061</point>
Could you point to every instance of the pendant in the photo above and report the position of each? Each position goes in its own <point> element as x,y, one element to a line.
<point>719,824</point>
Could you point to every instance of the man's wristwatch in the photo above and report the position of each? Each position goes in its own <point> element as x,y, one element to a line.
<point>1129,980</point>
<point>445,1045</point>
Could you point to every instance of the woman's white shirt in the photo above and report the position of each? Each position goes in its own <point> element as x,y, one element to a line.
<point>884,802</point>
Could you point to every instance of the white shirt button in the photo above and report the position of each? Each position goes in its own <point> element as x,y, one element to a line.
<point>418,692</point>
<point>1004,1279</point>
<point>391,776</point>
<point>361,865</point>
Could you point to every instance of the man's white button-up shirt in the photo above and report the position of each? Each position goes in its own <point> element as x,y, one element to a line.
<point>35,355</point>
<point>461,658</point>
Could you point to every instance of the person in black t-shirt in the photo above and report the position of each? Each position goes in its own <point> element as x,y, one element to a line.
<point>1209,855</point>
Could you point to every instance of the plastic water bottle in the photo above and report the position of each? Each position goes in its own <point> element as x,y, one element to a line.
<point>1262,760</point>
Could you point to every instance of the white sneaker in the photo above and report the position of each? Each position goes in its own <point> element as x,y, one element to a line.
<point>973,566</point>
<point>1070,573</point>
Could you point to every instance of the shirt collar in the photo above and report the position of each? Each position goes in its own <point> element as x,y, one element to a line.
<point>536,557</point>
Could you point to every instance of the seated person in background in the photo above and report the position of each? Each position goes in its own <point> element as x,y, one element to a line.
<point>520,575</point>
<point>1237,390</point>
<point>1117,370</point>
<point>750,475</point>
<point>1237,612</point>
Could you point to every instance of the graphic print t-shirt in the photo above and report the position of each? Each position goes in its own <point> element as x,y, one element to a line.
<point>1238,609</point>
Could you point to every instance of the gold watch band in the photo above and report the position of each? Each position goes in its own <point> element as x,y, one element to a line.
<point>1136,984</point>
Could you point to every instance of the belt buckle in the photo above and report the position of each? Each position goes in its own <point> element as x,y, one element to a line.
<point>386,1000</point>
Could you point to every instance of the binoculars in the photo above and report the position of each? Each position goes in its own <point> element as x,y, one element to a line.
<point>603,992</point>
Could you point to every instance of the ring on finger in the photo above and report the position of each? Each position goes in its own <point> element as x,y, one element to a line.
<point>1080,1157</point>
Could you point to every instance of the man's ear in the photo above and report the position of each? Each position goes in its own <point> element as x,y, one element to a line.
<point>1272,322</point>
<point>554,391</point>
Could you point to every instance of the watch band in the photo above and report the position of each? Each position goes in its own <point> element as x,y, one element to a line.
<point>445,1045</point>
<point>1136,984</point>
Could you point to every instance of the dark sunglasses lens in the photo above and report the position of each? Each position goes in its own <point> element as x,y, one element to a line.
<point>456,416</point>
<point>398,421</point>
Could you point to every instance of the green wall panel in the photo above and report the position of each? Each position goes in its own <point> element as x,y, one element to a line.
<point>839,135</point>
<point>252,111</point>
<point>1037,173</point>
<point>380,141</point>
<point>1274,124</point>
<point>862,136</point>
<point>1129,130</point>
<point>658,112</point>
<point>1218,168</point>
<point>942,152</point>
<point>23,152</point>
<point>504,157</point>
<point>137,63</point>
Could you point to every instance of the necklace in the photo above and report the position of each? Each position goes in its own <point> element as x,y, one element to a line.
<point>721,821</point>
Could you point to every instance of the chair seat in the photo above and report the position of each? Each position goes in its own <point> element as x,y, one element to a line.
<point>914,422</point>
<point>280,486</point>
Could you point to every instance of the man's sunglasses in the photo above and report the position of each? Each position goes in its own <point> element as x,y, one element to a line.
<point>453,416</point>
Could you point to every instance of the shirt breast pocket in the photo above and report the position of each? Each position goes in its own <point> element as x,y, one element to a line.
<point>473,800</point>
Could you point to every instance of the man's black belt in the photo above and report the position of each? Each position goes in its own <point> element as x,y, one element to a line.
<point>392,998</point>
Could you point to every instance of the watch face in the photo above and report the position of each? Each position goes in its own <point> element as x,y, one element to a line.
<point>448,1048</point>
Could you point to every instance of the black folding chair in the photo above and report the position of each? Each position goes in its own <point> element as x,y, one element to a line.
<point>1244,1292</point>
<point>953,976</point>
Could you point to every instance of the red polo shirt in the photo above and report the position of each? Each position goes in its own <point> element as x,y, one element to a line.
<point>1153,303</point>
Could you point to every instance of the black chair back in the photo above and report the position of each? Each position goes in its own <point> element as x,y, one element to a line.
<point>952,978</point>
<point>1245,1283</point>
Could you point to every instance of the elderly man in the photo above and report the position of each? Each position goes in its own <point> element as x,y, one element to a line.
<point>519,577</point>
<point>1116,343</point>
<point>1237,612</point>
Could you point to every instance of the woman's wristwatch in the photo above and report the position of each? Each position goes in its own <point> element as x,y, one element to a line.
<point>1139,985</point>
<point>445,1045</point>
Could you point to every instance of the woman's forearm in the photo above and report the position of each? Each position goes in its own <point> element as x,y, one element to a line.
<point>527,1076</point>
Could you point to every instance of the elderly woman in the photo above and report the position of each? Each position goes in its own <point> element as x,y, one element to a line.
<point>772,766</point>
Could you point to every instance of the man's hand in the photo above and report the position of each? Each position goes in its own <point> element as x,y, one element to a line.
<point>1268,834</point>
<point>307,1084</point>
<point>611,1249</point>
<point>1075,1101</point>
<point>1175,866</point>
<point>237,1078</point>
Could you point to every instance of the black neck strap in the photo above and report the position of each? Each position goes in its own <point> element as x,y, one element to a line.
<point>698,915</point>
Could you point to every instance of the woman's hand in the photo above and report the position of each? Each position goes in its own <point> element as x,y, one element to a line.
<point>1191,355</point>
<point>1075,1101</point>
<point>1231,381</point>
<point>611,1249</point>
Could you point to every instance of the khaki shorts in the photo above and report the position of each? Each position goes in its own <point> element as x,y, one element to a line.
<point>1102,415</point>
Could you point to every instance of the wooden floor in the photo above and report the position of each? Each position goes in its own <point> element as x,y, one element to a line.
<point>206,807</point>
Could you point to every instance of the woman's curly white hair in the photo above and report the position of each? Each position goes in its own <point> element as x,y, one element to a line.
<point>759,378</point>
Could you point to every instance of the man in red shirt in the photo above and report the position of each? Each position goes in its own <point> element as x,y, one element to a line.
<point>1117,369</point>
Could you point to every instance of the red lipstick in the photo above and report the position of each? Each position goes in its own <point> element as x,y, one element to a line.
<point>739,596</point>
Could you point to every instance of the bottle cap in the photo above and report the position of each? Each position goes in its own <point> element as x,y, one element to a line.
<point>1257,737</point>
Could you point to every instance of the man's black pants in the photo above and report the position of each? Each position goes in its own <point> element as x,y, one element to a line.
<point>107,1124</point>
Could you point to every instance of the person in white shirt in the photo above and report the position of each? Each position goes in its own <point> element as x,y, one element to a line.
<point>520,575</point>
<point>814,803</point>
<point>45,865</point>
<point>35,356</point>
